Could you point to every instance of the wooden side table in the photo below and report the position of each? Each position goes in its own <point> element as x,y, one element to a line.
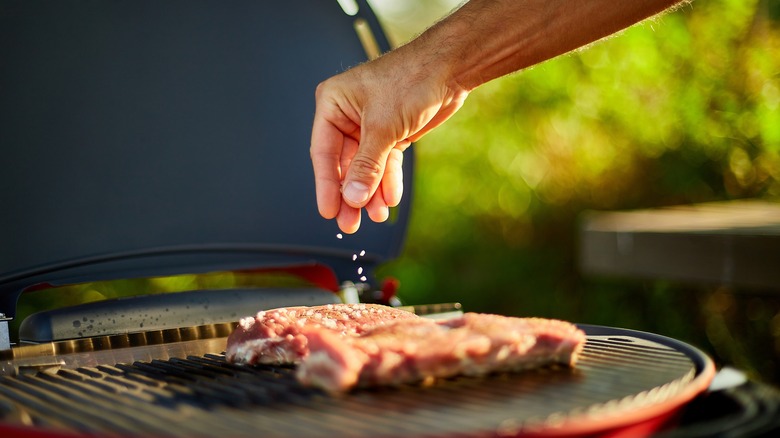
<point>733,243</point>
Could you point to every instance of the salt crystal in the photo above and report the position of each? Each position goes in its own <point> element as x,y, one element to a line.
<point>360,270</point>
<point>362,253</point>
<point>354,257</point>
<point>339,236</point>
<point>363,278</point>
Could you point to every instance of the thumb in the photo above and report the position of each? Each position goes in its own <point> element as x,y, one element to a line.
<point>364,173</point>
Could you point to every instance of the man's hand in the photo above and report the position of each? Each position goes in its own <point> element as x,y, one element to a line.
<point>365,119</point>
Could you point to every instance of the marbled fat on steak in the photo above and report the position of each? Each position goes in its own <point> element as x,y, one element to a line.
<point>274,336</point>
<point>413,350</point>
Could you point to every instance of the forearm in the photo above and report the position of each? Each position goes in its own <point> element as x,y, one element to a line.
<point>368,115</point>
<point>486,39</point>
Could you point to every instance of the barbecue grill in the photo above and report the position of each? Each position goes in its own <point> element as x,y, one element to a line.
<point>147,139</point>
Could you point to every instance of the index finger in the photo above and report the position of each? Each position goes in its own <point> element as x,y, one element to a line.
<point>330,131</point>
<point>325,151</point>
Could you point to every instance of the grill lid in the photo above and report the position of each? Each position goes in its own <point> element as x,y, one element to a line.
<point>145,138</point>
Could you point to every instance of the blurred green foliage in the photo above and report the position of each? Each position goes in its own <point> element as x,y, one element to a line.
<point>683,108</point>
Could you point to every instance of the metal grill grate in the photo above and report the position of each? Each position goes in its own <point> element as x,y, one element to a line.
<point>205,396</point>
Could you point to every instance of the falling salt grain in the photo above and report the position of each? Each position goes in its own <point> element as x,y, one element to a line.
<point>363,278</point>
<point>362,253</point>
<point>354,257</point>
<point>360,270</point>
<point>339,236</point>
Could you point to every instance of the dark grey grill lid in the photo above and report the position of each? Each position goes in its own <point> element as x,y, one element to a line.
<point>147,138</point>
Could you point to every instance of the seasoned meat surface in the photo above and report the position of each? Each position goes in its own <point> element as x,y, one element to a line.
<point>274,336</point>
<point>341,346</point>
<point>417,349</point>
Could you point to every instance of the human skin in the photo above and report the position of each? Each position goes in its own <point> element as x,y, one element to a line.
<point>367,116</point>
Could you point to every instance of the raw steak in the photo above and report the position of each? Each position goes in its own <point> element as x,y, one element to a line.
<point>413,350</point>
<point>274,336</point>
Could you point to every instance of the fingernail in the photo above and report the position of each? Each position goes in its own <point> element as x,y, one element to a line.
<point>356,192</point>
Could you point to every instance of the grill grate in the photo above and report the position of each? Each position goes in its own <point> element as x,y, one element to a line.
<point>205,396</point>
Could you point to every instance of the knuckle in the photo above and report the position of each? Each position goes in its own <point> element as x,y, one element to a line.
<point>366,167</point>
<point>318,94</point>
<point>321,87</point>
